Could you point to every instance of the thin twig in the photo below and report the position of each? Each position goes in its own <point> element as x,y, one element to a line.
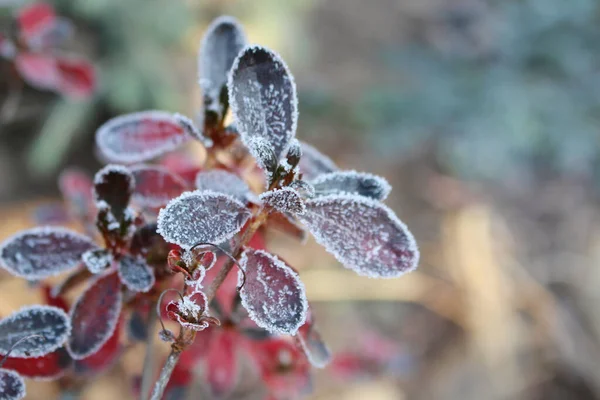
<point>148,371</point>
<point>165,374</point>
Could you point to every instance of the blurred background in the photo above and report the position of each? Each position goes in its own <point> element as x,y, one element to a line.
<point>483,114</point>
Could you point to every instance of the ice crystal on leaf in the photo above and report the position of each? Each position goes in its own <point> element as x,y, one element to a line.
<point>12,386</point>
<point>285,200</point>
<point>97,260</point>
<point>42,252</point>
<point>45,328</point>
<point>363,234</point>
<point>155,186</point>
<point>136,274</point>
<point>94,316</point>
<point>221,44</point>
<point>191,312</point>
<point>352,182</point>
<point>140,136</point>
<point>192,129</point>
<point>221,181</point>
<point>201,216</point>
<point>113,185</point>
<point>273,294</point>
<point>262,94</point>
<point>314,163</point>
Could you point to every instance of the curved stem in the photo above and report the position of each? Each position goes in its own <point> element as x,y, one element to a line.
<point>231,257</point>
<point>16,344</point>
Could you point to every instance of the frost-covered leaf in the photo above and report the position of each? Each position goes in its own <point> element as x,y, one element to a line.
<point>221,181</point>
<point>94,316</point>
<point>352,182</point>
<point>155,186</point>
<point>263,153</point>
<point>304,188</point>
<point>314,163</point>
<point>140,136</point>
<point>262,94</point>
<point>192,129</point>
<point>136,274</point>
<point>12,386</point>
<point>50,325</point>
<point>363,234</point>
<point>42,252</point>
<point>105,357</point>
<point>113,185</point>
<point>48,367</point>
<point>273,294</point>
<point>201,216</point>
<point>97,260</point>
<point>285,200</point>
<point>221,44</point>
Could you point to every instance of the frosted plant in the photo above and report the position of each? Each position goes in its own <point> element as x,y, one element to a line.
<point>149,234</point>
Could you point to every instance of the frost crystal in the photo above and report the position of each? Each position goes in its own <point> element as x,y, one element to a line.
<point>42,252</point>
<point>51,323</point>
<point>97,260</point>
<point>285,200</point>
<point>221,181</point>
<point>314,163</point>
<point>363,234</point>
<point>192,129</point>
<point>201,216</point>
<point>263,153</point>
<point>140,136</point>
<point>113,185</point>
<point>273,294</point>
<point>12,386</point>
<point>262,94</point>
<point>136,274</point>
<point>155,186</point>
<point>352,182</point>
<point>221,44</point>
<point>94,316</point>
<point>304,188</point>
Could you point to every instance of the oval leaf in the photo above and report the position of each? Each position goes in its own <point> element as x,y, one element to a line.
<point>262,94</point>
<point>155,186</point>
<point>136,274</point>
<point>314,163</point>
<point>140,136</point>
<point>76,77</point>
<point>363,234</point>
<point>224,182</point>
<point>113,185</point>
<point>352,182</point>
<point>97,260</point>
<point>12,386</point>
<point>48,367</point>
<point>201,216</point>
<point>273,294</point>
<point>94,316</point>
<point>221,44</point>
<point>50,325</point>
<point>285,200</point>
<point>42,252</point>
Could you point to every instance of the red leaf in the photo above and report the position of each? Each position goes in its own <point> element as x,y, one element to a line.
<point>56,301</point>
<point>38,70</point>
<point>155,186</point>
<point>76,188</point>
<point>94,316</point>
<point>104,357</point>
<point>35,20</point>
<point>77,77</point>
<point>50,366</point>
<point>182,165</point>
<point>221,363</point>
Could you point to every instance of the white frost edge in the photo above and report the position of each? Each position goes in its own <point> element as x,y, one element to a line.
<point>111,324</point>
<point>131,287</point>
<point>344,197</point>
<point>279,264</point>
<point>108,126</point>
<point>248,196</point>
<point>23,392</point>
<point>309,354</point>
<point>265,196</point>
<point>144,201</point>
<point>40,230</point>
<point>359,176</point>
<point>200,193</point>
<point>59,341</point>
<point>232,104</point>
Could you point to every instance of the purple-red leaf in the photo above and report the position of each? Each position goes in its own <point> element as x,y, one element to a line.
<point>262,94</point>
<point>42,252</point>
<point>314,163</point>
<point>221,181</point>
<point>94,316</point>
<point>155,186</point>
<point>273,293</point>
<point>113,186</point>
<point>136,274</point>
<point>45,328</point>
<point>201,216</point>
<point>285,200</point>
<point>48,367</point>
<point>352,182</point>
<point>363,234</point>
<point>12,386</point>
<point>140,136</point>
